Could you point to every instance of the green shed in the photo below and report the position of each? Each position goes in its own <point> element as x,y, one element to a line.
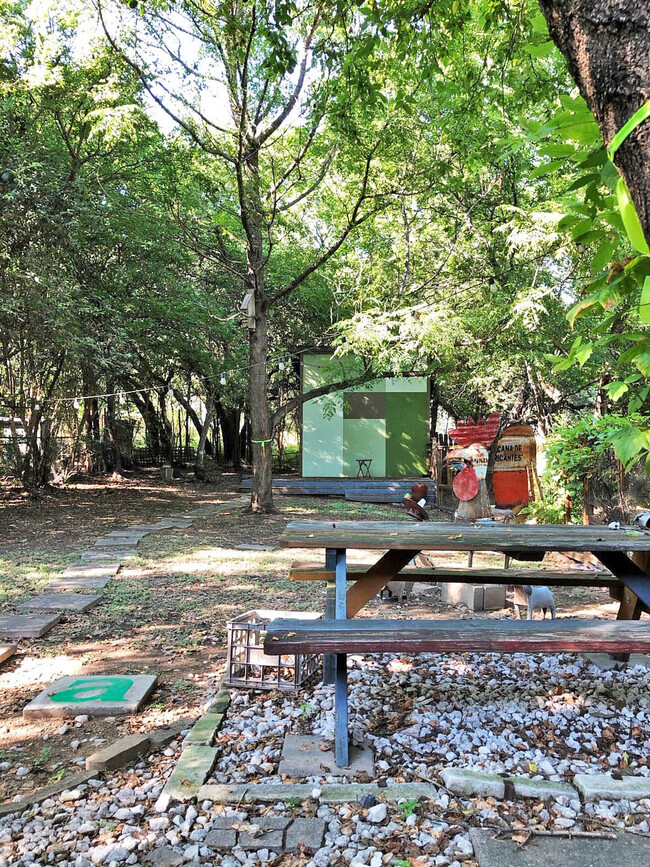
<point>386,421</point>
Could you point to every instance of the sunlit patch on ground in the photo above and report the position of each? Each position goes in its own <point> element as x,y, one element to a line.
<point>33,671</point>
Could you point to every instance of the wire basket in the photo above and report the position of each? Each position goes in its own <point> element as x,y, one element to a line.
<point>250,667</point>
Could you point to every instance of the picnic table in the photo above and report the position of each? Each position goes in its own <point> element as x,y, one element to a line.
<point>623,552</point>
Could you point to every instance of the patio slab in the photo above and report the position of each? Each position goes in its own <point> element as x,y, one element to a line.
<point>95,695</point>
<point>302,756</point>
<point>27,625</point>
<point>108,555</point>
<point>76,583</point>
<point>628,850</point>
<point>120,542</point>
<point>61,602</point>
<point>106,569</point>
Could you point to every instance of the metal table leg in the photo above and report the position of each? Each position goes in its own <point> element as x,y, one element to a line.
<point>341,690</point>
<point>329,659</point>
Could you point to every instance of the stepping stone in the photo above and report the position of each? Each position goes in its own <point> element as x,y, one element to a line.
<point>121,542</point>
<point>27,625</point>
<point>88,570</point>
<point>6,650</point>
<point>96,555</point>
<point>77,582</point>
<point>632,851</point>
<point>246,547</point>
<point>60,602</point>
<point>303,757</point>
<point>129,532</point>
<point>95,695</point>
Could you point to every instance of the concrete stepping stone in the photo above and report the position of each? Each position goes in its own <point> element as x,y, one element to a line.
<point>95,695</point>
<point>89,570</point>
<point>129,531</point>
<point>146,528</point>
<point>96,555</point>
<point>632,851</point>
<point>253,547</point>
<point>121,542</point>
<point>77,582</point>
<point>6,650</point>
<point>303,757</point>
<point>27,625</point>
<point>60,602</point>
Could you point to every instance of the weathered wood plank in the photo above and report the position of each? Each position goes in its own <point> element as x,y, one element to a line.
<point>315,572</point>
<point>457,636</point>
<point>376,578</point>
<point>429,536</point>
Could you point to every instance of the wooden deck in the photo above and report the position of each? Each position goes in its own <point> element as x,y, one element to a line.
<point>366,490</point>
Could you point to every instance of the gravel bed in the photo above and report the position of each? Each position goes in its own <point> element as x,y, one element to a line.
<point>541,716</point>
<point>547,716</point>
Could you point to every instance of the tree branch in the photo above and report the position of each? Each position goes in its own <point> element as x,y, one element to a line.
<point>368,375</point>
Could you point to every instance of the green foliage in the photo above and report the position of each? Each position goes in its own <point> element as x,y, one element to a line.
<point>408,807</point>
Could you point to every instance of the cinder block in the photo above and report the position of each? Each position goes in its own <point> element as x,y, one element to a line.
<point>476,597</point>
<point>470,595</point>
<point>494,597</point>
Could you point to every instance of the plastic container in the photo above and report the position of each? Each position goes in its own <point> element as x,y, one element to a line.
<point>247,664</point>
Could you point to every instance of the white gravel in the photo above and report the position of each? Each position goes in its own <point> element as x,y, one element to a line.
<point>541,716</point>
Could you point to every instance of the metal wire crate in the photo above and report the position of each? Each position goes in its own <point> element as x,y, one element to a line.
<point>249,666</point>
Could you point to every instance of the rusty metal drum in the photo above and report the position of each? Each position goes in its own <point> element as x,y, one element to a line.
<point>514,466</point>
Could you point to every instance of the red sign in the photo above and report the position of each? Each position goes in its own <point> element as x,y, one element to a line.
<point>479,431</point>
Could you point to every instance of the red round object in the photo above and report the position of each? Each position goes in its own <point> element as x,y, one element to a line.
<point>466,484</point>
<point>419,491</point>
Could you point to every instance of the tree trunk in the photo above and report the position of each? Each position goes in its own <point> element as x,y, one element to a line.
<point>229,421</point>
<point>261,423</point>
<point>606,44</point>
<point>203,436</point>
<point>261,427</point>
<point>192,415</point>
<point>113,434</point>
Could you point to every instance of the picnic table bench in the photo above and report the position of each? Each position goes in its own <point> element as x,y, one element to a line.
<point>401,542</point>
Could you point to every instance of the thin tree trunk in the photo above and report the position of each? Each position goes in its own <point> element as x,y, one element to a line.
<point>203,436</point>
<point>112,430</point>
<point>606,44</point>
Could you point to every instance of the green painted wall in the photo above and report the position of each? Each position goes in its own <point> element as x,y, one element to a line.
<point>364,438</point>
<point>407,426</point>
<point>335,432</point>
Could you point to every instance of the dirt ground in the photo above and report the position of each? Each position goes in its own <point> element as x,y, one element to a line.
<point>166,613</point>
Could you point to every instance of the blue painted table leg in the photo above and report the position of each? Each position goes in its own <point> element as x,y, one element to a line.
<point>341,690</point>
<point>329,659</point>
<point>341,704</point>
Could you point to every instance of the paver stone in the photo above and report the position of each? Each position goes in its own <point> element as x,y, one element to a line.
<point>95,695</point>
<point>628,850</point>
<point>306,834</point>
<point>303,757</point>
<point>27,625</point>
<point>61,602</point>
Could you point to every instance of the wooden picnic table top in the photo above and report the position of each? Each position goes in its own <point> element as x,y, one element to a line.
<point>431,536</point>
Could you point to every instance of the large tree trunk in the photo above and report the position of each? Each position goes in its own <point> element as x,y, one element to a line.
<point>606,44</point>
<point>261,423</point>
